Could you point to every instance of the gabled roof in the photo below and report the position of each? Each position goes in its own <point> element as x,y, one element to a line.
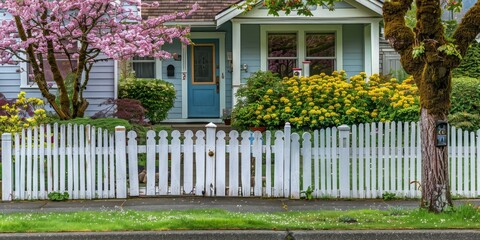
<point>206,12</point>
<point>217,12</point>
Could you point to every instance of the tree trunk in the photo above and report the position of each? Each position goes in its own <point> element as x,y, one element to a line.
<point>435,181</point>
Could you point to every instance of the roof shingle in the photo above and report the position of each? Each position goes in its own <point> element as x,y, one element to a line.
<point>206,11</point>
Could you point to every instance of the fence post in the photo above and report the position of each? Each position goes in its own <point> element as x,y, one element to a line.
<point>120,162</point>
<point>7,167</point>
<point>210,160</point>
<point>344,159</point>
<point>286,155</point>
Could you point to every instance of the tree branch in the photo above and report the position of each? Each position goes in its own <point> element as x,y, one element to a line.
<point>468,29</point>
<point>399,35</point>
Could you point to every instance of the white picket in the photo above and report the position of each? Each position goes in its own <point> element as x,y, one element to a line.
<point>393,172</point>
<point>323,161</point>
<point>453,160</point>
<point>210,159</point>
<point>48,139</point>
<point>35,160</point>
<point>373,160</point>
<point>473,165</point>
<point>23,168</point>
<point>258,159</point>
<point>7,167</point>
<point>354,171</point>
<point>56,152</point>
<point>87,171</point>
<point>295,167</point>
<point>361,162</point>
<point>175,164</point>
<point>466,171</point>
<point>92,164</point>
<point>399,160</point>
<point>200,163</point>
<point>418,153</point>
<point>41,163</point>
<point>120,162</point>
<point>368,166</point>
<point>234,166</point>
<point>111,168</point>
<point>245,163</point>
<point>132,151</point>
<point>163,172</point>
<point>278,154</point>
<point>477,183</point>
<point>188,162</point>
<point>380,150</point>
<point>81,162</point>
<point>18,156</point>
<point>106,164</point>
<point>65,155</point>
<point>286,163</point>
<point>268,164</point>
<point>307,161</point>
<point>460,162</point>
<point>75,165</point>
<point>316,164</point>
<point>328,163</point>
<point>150,166</point>
<point>100,164</point>
<point>220,167</point>
<point>386,159</point>
<point>413,156</point>
<point>29,163</point>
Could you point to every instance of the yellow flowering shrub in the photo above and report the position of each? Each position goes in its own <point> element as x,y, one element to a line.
<point>20,113</point>
<point>326,100</point>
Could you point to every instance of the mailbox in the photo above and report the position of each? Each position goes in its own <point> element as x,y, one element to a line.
<point>441,130</point>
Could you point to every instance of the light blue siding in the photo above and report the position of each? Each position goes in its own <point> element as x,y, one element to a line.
<point>100,86</point>
<point>176,80</point>
<point>227,28</point>
<point>250,49</point>
<point>353,49</point>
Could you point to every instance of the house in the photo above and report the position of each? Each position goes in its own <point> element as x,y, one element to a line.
<point>229,45</point>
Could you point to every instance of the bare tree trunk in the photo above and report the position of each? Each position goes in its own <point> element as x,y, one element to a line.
<point>435,181</point>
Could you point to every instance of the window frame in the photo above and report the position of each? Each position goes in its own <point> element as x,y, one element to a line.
<point>301,31</point>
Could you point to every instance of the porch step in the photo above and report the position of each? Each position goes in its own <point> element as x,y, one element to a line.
<point>182,127</point>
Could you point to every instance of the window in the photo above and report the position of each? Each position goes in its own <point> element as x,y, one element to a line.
<point>285,47</point>
<point>63,64</point>
<point>320,51</point>
<point>282,53</point>
<point>144,67</point>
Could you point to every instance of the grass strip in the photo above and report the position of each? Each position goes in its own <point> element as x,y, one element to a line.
<point>461,217</point>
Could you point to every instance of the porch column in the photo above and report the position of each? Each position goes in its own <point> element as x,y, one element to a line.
<point>372,48</point>
<point>236,59</point>
<point>375,35</point>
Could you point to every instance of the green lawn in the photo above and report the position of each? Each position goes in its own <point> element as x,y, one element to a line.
<point>461,217</point>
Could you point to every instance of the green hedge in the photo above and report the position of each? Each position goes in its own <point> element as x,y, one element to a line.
<point>465,96</point>
<point>156,96</point>
<point>104,123</point>
<point>470,66</point>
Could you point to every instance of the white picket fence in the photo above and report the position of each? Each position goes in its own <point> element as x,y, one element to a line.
<point>363,161</point>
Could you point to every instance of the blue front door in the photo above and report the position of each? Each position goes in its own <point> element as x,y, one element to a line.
<point>203,82</point>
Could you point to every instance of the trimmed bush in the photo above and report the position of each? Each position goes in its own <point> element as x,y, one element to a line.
<point>465,96</point>
<point>470,66</point>
<point>465,121</point>
<point>324,101</point>
<point>156,96</point>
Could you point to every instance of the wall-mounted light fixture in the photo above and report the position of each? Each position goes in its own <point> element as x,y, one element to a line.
<point>244,67</point>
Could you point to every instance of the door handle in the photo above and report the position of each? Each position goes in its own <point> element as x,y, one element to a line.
<point>217,83</point>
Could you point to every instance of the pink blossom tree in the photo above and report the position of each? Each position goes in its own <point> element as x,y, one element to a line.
<point>83,32</point>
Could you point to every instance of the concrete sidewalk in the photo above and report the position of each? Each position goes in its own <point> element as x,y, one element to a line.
<point>226,203</point>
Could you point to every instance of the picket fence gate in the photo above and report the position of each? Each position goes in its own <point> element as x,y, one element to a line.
<point>361,161</point>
